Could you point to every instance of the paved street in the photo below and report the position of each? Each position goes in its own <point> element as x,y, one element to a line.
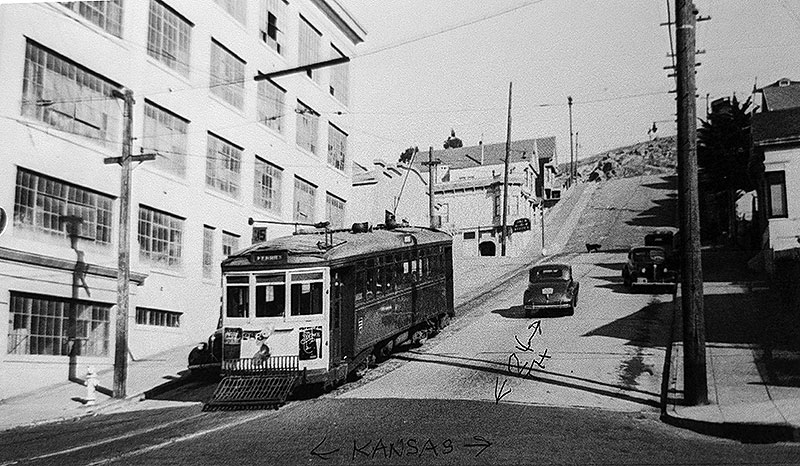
<point>582,389</point>
<point>608,355</point>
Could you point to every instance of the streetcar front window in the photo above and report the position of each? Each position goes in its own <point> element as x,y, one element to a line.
<point>306,294</point>
<point>270,295</point>
<point>237,300</point>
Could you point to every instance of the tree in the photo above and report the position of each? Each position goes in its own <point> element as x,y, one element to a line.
<point>723,153</point>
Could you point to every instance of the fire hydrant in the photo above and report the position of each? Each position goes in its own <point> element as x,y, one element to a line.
<point>91,386</point>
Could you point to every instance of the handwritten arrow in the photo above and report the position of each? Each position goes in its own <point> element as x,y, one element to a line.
<point>537,327</point>
<point>498,390</point>
<point>482,442</point>
<point>323,454</point>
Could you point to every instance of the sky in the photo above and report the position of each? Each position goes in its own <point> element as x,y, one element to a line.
<point>429,66</point>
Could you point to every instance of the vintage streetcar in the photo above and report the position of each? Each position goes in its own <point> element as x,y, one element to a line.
<point>315,308</point>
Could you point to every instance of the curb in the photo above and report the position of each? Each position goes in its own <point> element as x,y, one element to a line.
<point>108,405</point>
<point>744,432</point>
<point>143,395</point>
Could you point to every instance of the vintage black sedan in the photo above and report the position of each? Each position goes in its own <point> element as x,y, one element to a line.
<point>648,265</point>
<point>551,287</point>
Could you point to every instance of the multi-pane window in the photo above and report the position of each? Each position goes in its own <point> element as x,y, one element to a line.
<point>42,202</point>
<point>308,50</point>
<point>340,78</point>
<point>498,205</point>
<point>160,237</point>
<point>334,211</point>
<point>304,200</point>
<point>41,325</point>
<point>230,243</point>
<point>271,104</point>
<point>337,147</point>
<point>169,37</point>
<point>208,251</point>
<point>307,127</point>
<point>69,97</point>
<point>106,14</point>
<point>235,8</point>
<point>776,194</point>
<point>165,134</point>
<point>267,189</point>
<point>157,317</point>
<point>223,165</point>
<point>227,75</point>
<point>273,21</point>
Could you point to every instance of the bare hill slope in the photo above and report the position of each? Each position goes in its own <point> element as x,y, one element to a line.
<point>655,157</point>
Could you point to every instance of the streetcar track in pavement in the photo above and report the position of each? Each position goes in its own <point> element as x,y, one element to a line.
<point>104,441</point>
<point>177,440</point>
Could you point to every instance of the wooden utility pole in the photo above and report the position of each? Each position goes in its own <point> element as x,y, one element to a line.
<point>576,155</point>
<point>124,272</point>
<point>431,164</point>
<point>694,345</point>
<point>541,210</point>
<point>505,178</point>
<point>571,154</point>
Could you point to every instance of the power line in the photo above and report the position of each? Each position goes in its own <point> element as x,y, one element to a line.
<point>447,29</point>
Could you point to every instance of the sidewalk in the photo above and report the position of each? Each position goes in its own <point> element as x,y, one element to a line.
<point>752,359</point>
<point>67,400</point>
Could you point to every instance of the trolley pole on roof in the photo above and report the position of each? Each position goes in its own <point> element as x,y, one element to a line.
<point>505,177</point>
<point>431,164</point>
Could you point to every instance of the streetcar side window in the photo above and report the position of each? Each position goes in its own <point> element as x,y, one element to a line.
<point>370,285</point>
<point>359,284</point>
<point>398,272</point>
<point>388,268</point>
<point>306,294</point>
<point>270,295</point>
<point>237,297</point>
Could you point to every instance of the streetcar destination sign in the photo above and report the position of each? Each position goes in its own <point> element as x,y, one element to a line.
<point>268,256</point>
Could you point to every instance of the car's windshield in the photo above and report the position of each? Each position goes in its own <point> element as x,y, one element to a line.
<point>551,273</point>
<point>649,255</point>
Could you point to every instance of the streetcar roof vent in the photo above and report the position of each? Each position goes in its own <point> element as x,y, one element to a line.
<point>362,227</point>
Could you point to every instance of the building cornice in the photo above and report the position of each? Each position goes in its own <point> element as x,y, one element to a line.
<point>342,19</point>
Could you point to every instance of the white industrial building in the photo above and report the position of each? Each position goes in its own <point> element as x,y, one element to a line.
<point>228,147</point>
<point>390,189</point>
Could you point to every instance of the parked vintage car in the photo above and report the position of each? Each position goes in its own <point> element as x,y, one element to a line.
<point>669,239</point>
<point>648,265</point>
<point>551,287</point>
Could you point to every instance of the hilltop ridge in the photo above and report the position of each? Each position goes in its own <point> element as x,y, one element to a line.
<point>654,157</point>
